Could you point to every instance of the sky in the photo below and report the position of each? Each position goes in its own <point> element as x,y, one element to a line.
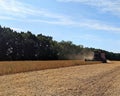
<point>91,23</point>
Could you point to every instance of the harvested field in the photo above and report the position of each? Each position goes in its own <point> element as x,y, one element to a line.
<point>24,66</point>
<point>89,80</point>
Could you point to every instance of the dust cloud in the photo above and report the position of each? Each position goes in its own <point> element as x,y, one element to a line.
<point>81,56</point>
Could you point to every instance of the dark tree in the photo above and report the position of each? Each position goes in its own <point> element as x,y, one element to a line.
<point>27,46</point>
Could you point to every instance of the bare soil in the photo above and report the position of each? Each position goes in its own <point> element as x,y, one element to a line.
<point>86,80</point>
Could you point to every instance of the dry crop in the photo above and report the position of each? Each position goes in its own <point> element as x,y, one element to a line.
<point>8,67</point>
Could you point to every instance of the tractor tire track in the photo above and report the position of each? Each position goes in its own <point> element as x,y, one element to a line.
<point>93,86</point>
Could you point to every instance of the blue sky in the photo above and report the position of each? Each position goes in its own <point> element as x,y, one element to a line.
<point>92,23</point>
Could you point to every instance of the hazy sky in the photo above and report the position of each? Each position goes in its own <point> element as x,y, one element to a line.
<point>92,23</point>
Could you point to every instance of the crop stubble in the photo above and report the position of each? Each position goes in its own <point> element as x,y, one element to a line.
<point>89,80</point>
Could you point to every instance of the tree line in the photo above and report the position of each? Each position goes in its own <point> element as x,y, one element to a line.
<point>28,46</point>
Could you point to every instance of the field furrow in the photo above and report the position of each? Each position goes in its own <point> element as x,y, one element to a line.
<point>95,85</point>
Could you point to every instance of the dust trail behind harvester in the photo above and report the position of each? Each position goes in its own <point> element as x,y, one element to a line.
<point>81,56</point>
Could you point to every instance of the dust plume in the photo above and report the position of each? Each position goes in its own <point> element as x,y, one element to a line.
<point>89,55</point>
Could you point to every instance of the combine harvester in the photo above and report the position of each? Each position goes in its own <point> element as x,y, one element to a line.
<point>98,56</point>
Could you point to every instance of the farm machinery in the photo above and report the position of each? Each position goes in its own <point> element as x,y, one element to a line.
<point>98,56</point>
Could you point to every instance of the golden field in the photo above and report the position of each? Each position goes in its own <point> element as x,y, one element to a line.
<point>89,80</point>
<point>8,67</point>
